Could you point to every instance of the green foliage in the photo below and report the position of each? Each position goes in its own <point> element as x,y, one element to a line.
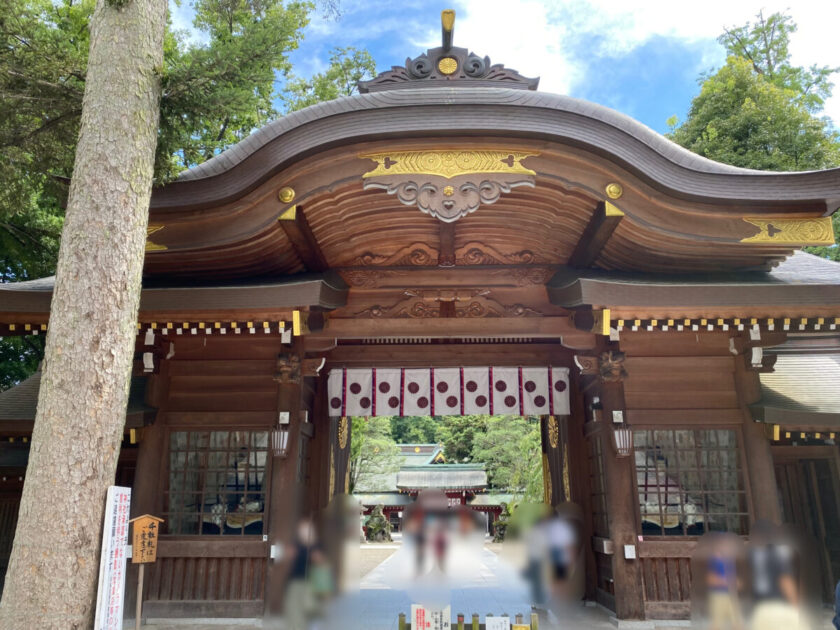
<point>347,66</point>
<point>457,433</point>
<point>216,91</point>
<point>19,357</point>
<point>415,429</point>
<point>511,451</point>
<point>372,449</point>
<point>764,44</point>
<point>759,111</point>
<point>740,118</point>
<point>43,57</point>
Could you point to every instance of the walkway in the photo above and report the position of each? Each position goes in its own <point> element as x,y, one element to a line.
<point>476,580</point>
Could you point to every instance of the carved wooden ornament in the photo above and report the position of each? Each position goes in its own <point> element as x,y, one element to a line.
<point>448,184</point>
<point>609,366</point>
<point>288,369</point>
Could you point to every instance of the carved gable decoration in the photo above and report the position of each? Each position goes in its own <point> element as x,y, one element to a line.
<point>448,66</point>
<point>448,184</point>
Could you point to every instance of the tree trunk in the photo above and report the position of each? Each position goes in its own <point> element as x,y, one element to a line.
<point>52,576</point>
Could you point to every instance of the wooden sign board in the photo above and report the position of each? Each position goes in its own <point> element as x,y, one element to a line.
<point>144,538</point>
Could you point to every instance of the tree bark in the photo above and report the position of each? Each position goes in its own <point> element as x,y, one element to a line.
<point>52,576</point>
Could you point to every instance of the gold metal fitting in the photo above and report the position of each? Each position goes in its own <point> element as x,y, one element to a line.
<point>448,191</point>
<point>286,194</point>
<point>614,190</point>
<point>447,65</point>
<point>447,19</point>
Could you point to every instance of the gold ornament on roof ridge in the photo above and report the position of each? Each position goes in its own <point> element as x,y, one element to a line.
<point>448,164</point>
<point>447,65</point>
<point>785,231</point>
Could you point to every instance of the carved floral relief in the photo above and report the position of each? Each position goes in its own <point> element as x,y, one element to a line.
<point>448,184</point>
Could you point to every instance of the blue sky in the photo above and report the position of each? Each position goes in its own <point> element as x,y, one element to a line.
<point>641,57</point>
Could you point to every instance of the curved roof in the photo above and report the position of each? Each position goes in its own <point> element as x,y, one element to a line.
<point>410,112</point>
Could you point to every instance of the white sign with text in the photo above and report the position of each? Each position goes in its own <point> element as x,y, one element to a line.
<point>110,595</point>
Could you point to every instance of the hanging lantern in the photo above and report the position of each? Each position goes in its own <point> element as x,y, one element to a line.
<point>622,439</point>
<point>280,435</point>
<point>280,440</point>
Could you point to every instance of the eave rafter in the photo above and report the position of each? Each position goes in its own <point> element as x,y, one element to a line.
<point>601,225</point>
<point>294,224</point>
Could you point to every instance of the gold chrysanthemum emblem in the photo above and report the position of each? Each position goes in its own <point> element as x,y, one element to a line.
<point>447,65</point>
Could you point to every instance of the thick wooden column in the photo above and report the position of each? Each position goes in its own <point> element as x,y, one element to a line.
<point>620,480</point>
<point>578,453</point>
<point>553,432</point>
<point>341,456</point>
<point>285,502</point>
<point>759,459</point>
<point>319,449</point>
<point>146,495</point>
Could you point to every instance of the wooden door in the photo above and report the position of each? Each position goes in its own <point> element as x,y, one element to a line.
<point>809,493</point>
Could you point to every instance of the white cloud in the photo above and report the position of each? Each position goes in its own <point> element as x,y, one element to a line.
<point>542,38</point>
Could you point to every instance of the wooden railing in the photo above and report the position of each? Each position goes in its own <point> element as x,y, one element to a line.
<point>666,573</point>
<point>207,578</point>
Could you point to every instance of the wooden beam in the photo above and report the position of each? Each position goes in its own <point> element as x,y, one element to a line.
<point>596,234</point>
<point>294,224</point>
<point>529,327</point>
<point>424,355</point>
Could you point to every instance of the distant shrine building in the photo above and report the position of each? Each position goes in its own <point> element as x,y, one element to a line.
<point>453,241</point>
<point>424,467</point>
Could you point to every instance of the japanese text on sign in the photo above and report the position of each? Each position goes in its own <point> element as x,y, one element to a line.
<point>109,599</point>
<point>144,538</point>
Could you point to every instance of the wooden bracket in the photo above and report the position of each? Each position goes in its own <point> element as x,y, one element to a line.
<point>294,224</point>
<point>595,235</point>
<point>592,320</point>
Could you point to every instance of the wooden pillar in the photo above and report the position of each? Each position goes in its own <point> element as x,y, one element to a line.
<point>552,431</point>
<point>146,493</point>
<point>285,502</point>
<point>579,488</point>
<point>621,511</point>
<point>341,455</point>
<point>319,449</point>
<point>760,470</point>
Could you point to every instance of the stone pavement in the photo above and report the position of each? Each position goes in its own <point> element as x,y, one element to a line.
<point>475,580</point>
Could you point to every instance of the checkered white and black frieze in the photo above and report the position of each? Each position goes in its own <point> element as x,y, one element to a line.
<point>449,391</point>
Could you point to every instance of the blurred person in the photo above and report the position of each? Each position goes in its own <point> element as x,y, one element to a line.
<point>415,533</point>
<point>536,550</point>
<point>564,549</point>
<point>440,540</point>
<point>300,597</point>
<point>774,583</point>
<point>340,527</point>
<point>722,582</point>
